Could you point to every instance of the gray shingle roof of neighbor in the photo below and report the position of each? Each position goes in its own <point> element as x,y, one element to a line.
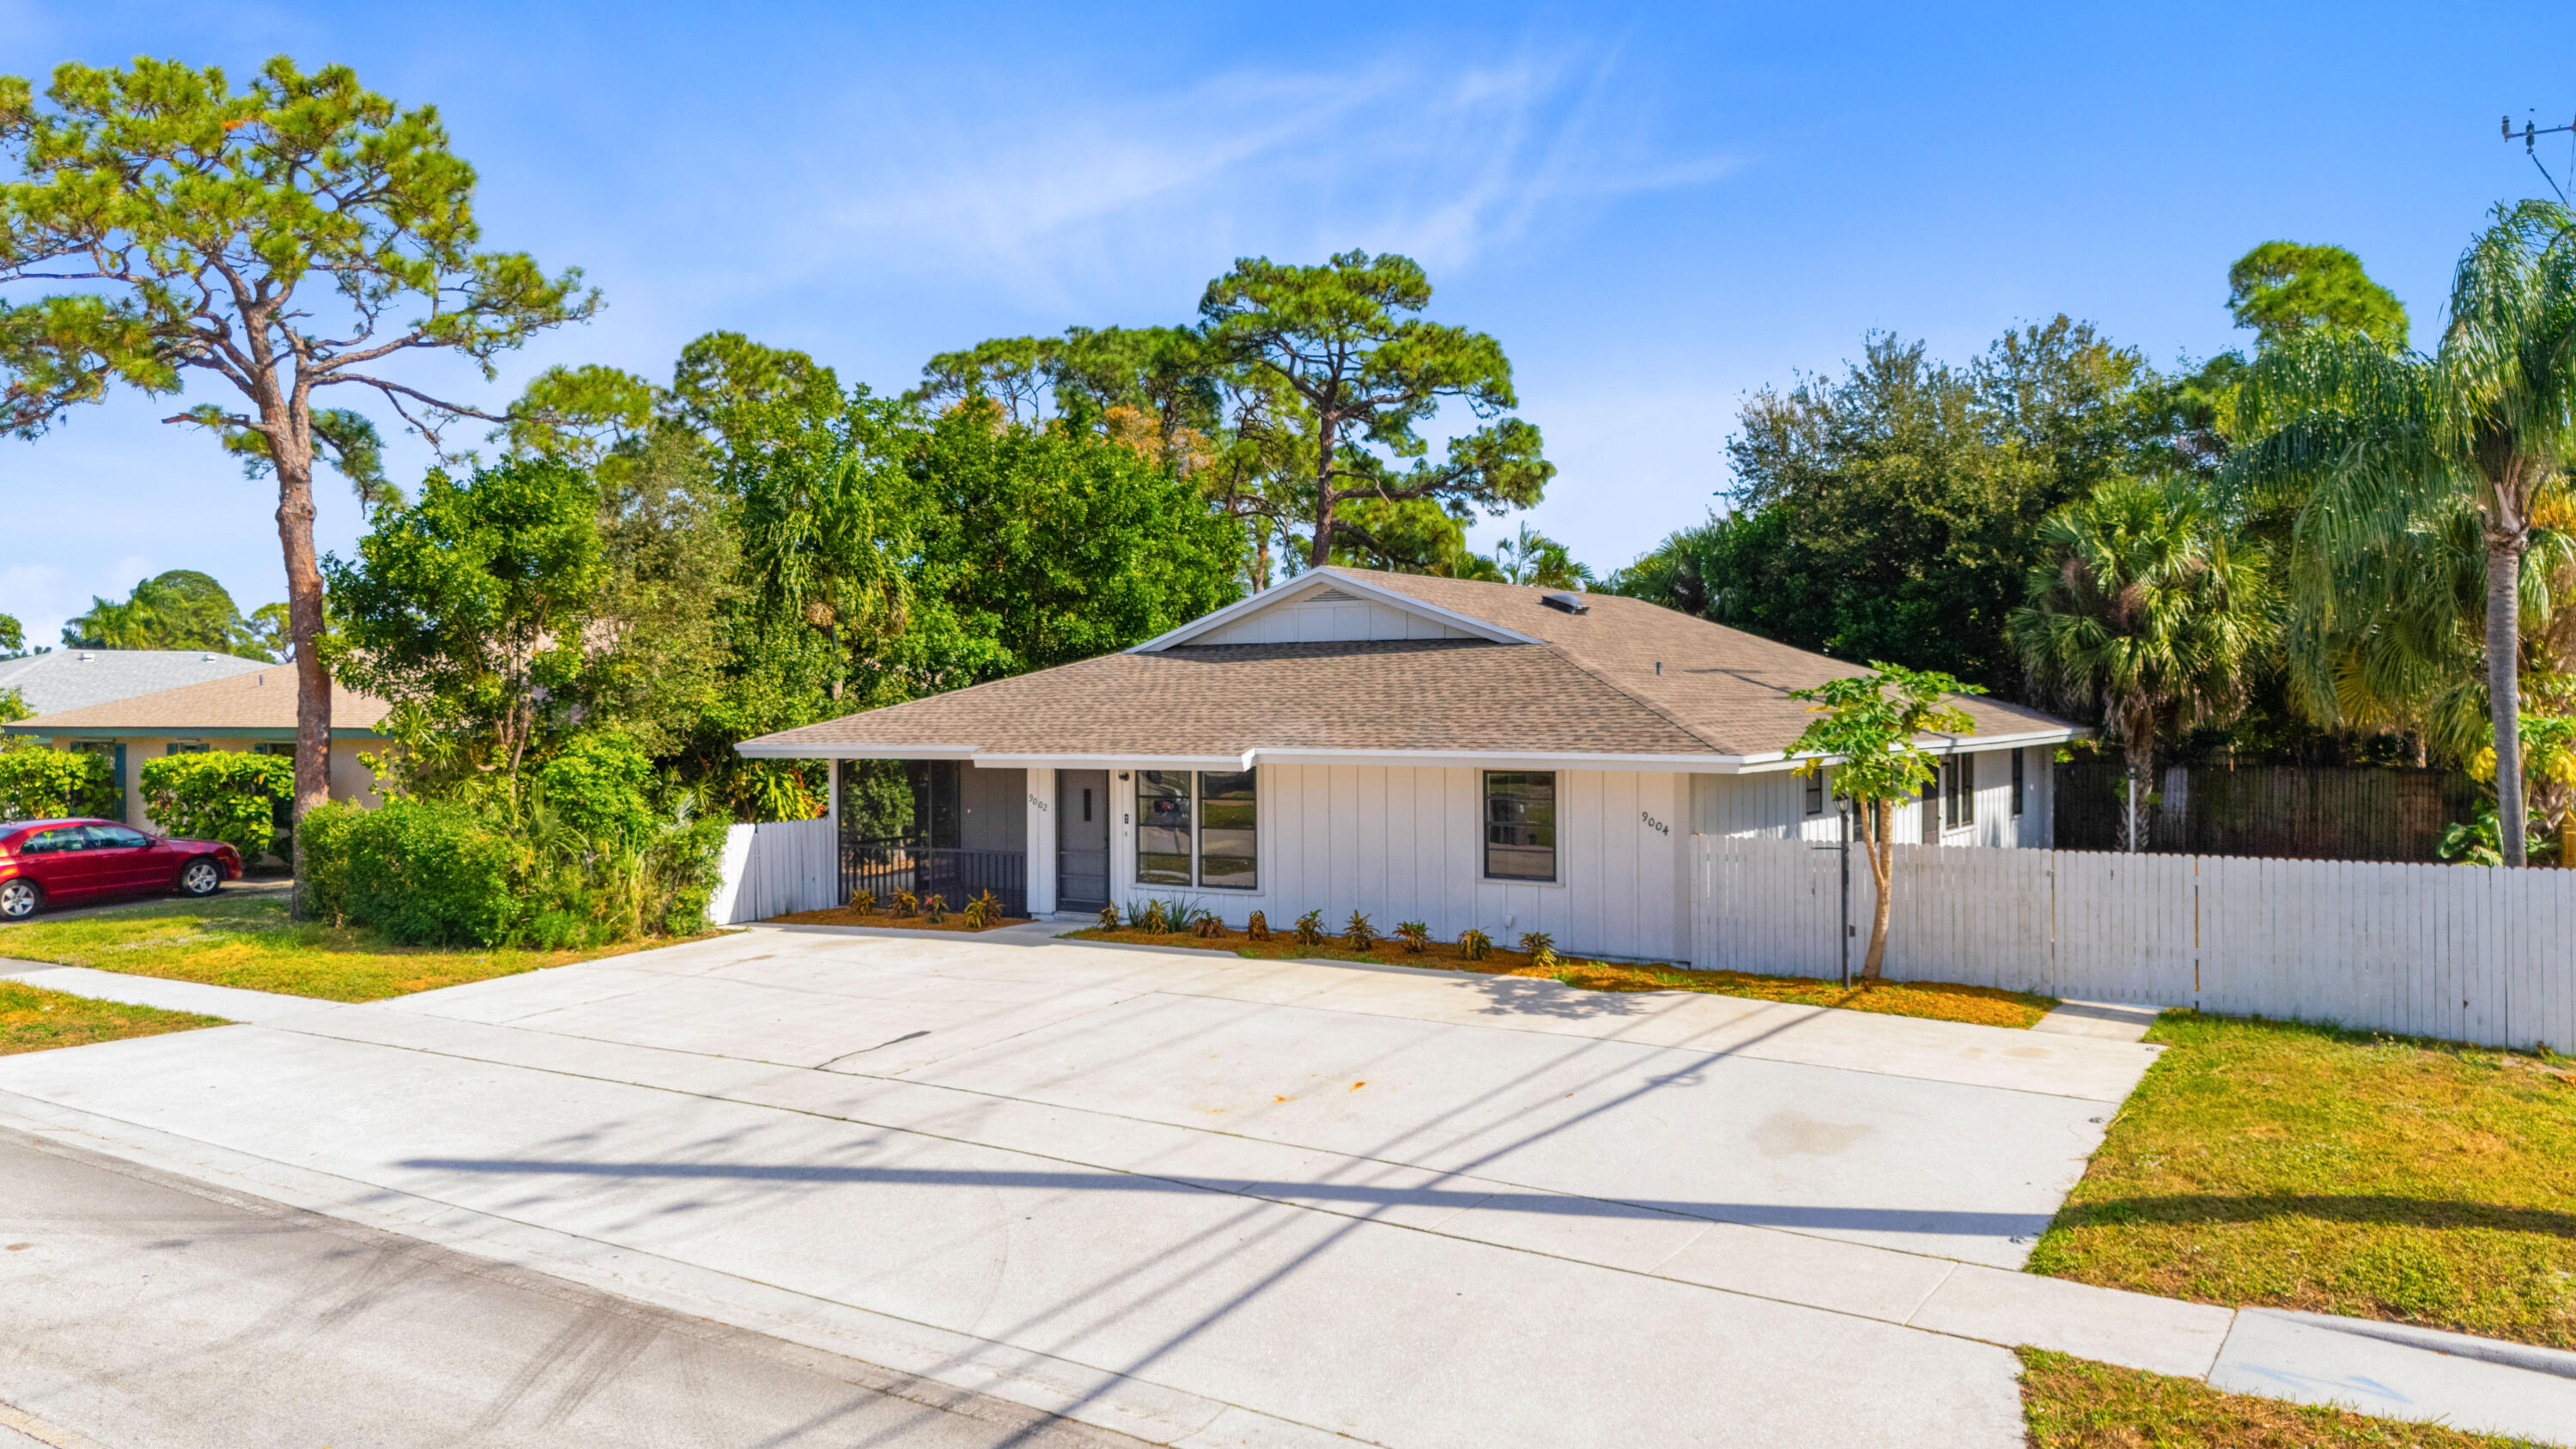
<point>67,679</point>
<point>264,699</point>
<point>1589,686</point>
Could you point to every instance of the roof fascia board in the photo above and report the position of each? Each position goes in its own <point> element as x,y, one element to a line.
<point>774,747</point>
<point>1930,745</point>
<point>181,732</point>
<point>1702,764</point>
<point>1298,587</point>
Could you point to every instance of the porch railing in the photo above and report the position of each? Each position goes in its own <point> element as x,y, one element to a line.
<point>884,865</point>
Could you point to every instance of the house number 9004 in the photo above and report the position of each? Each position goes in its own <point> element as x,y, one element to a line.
<point>1653,824</point>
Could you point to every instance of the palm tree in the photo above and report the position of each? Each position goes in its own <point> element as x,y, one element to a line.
<point>2145,608</point>
<point>2383,445</point>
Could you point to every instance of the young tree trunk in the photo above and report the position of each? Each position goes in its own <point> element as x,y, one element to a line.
<point>2504,688</point>
<point>1882,869</point>
<point>304,627</point>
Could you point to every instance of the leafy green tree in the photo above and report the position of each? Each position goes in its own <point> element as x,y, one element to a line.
<point>1538,561</point>
<point>2280,289</point>
<point>2144,612</point>
<point>474,607</point>
<point>1367,374</point>
<point>295,236</point>
<point>1042,546</point>
<point>1870,736</point>
<point>13,637</point>
<point>180,609</point>
<point>824,524</point>
<point>13,707</point>
<point>2372,441</point>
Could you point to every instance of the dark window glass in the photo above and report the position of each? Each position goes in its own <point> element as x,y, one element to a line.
<point>55,842</point>
<point>1229,838</point>
<point>1816,793</point>
<point>1959,791</point>
<point>114,837</point>
<point>1163,827</point>
<point>1086,805</point>
<point>2016,790</point>
<point>1520,825</point>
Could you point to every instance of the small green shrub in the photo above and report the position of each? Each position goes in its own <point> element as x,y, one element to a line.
<point>1154,921</point>
<point>1109,918</point>
<point>1415,935</point>
<point>906,905</point>
<point>322,873</point>
<point>430,875</point>
<point>226,795</point>
<point>37,784</point>
<point>1545,959</point>
<point>863,902</point>
<point>1535,942</point>
<point>1358,933</point>
<point>934,908</point>
<point>1208,926</point>
<point>1257,928</point>
<point>1310,929</point>
<point>1475,945</point>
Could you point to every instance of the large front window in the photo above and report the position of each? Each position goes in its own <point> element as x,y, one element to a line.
<point>1520,825</point>
<point>1197,829</point>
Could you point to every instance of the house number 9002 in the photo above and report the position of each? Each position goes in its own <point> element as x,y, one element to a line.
<point>1653,824</point>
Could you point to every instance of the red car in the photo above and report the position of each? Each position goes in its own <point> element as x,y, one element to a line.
<point>82,860</point>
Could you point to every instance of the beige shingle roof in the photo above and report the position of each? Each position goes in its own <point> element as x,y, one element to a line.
<point>264,699</point>
<point>1590,687</point>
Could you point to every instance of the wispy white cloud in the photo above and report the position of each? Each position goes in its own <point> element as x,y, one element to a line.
<point>1076,195</point>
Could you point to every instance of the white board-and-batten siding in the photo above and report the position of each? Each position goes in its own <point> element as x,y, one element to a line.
<point>1406,843</point>
<point>1337,620</point>
<point>1771,805</point>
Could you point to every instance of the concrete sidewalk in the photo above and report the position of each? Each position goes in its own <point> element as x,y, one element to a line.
<point>230,1003</point>
<point>1212,1201</point>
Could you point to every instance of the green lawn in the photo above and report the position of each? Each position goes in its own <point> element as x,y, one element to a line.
<point>2338,1172</point>
<point>247,941</point>
<point>2071,1403</point>
<point>33,1019</point>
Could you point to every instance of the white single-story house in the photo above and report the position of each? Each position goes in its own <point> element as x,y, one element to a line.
<point>1458,753</point>
<point>252,709</point>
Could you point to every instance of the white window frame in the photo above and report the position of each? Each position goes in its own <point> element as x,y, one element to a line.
<point>1197,833</point>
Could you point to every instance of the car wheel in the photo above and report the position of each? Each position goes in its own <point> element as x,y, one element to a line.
<point>20,899</point>
<point>201,877</point>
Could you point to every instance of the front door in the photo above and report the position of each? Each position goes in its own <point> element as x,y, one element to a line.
<point>1081,839</point>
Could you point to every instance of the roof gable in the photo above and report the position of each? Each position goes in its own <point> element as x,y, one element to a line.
<point>1332,606</point>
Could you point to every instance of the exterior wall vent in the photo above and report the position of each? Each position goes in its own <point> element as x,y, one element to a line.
<point>1332,596</point>
<point>1570,603</point>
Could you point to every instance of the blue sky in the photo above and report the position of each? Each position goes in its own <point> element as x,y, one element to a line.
<point>1656,209</point>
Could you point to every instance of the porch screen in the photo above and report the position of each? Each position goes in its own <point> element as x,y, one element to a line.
<point>1228,834</point>
<point>1163,827</point>
<point>1520,825</point>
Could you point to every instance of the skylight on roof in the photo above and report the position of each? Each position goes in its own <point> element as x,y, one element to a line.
<point>1570,603</point>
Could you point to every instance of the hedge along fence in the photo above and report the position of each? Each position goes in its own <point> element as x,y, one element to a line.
<point>226,795</point>
<point>37,784</point>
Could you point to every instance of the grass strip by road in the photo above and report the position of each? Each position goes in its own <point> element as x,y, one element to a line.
<point>1934,1000</point>
<point>247,941</point>
<point>33,1019</point>
<point>2289,1166</point>
<point>2073,1403</point>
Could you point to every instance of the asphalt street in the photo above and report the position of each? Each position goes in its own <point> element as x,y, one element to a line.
<point>141,1311</point>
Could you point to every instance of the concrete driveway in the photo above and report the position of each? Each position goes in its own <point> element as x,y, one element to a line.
<point>1197,1199</point>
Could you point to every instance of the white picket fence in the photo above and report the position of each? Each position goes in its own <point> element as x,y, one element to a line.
<point>2458,952</point>
<point>770,870</point>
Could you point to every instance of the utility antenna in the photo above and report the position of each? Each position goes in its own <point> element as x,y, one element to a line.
<point>2531,133</point>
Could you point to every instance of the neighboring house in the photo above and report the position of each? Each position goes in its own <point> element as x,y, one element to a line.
<point>1459,753</point>
<point>252,710</point>
<point>64,679</point>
